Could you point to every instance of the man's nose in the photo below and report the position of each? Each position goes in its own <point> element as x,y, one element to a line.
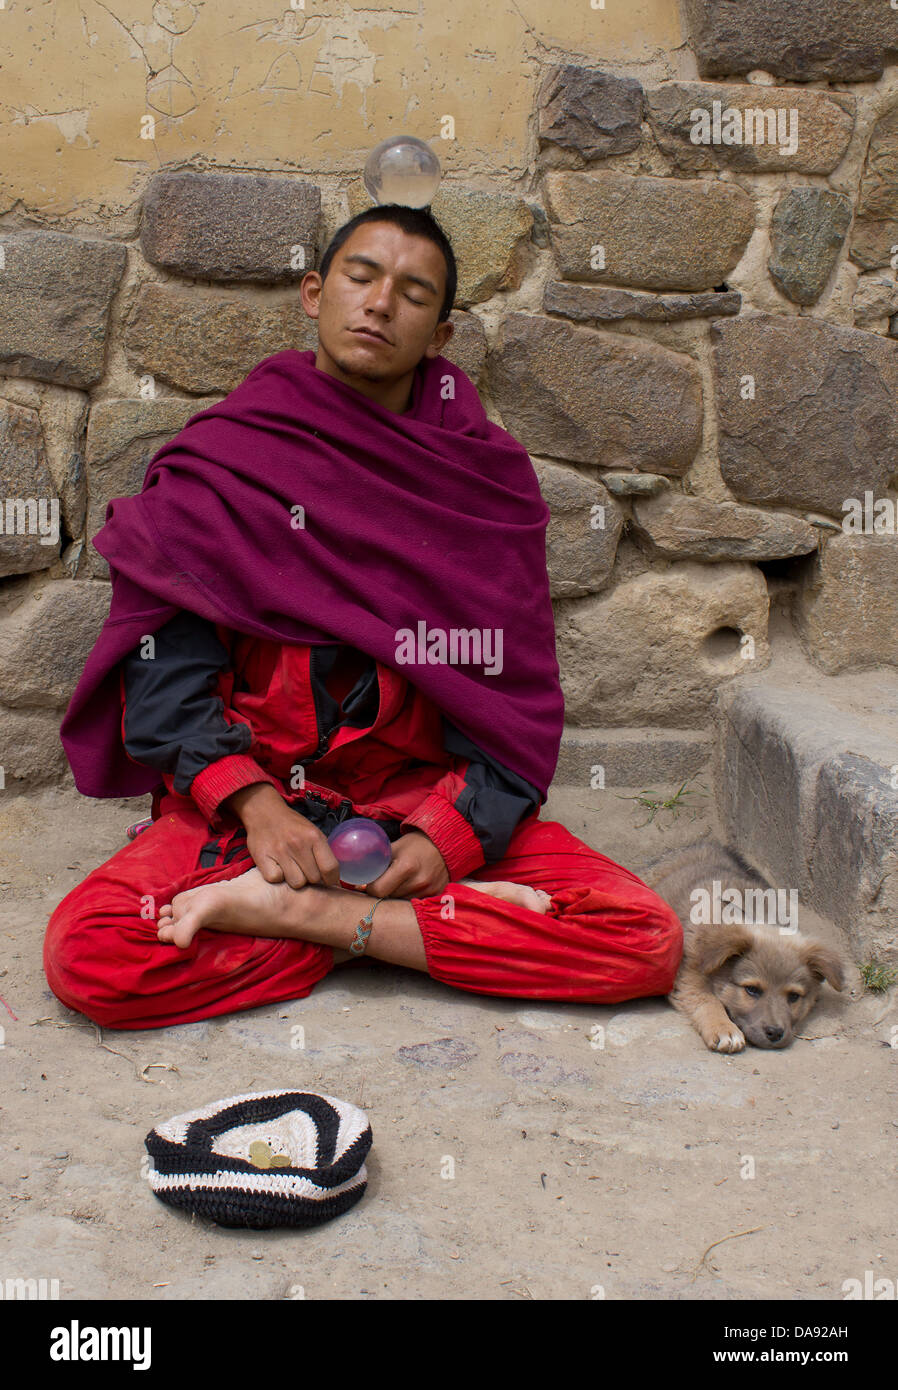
<point>380,298</point>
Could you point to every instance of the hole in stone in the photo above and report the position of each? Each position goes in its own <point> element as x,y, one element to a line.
<point>721,289</point>
<point>775,569</point>
<point>785,580</point>
<point>722,644</point>
<point>788,571</point>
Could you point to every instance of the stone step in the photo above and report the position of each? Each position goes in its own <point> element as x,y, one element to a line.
<point>602,775</point>
<point>805,776</point>
<point>631,757</point>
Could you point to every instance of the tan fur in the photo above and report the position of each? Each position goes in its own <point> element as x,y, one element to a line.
<point>784,971</point>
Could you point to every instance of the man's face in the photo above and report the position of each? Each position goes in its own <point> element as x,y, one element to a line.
<point>386,281</point>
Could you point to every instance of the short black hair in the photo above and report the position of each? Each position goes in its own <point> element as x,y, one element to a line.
<point>414,221</point>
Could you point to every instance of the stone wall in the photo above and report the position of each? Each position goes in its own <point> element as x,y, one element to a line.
<point>686,311</point>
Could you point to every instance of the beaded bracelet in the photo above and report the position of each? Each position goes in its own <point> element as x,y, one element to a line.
<point>361,937</point>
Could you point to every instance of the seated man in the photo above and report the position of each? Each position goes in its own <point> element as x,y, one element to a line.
<point>242,650</point>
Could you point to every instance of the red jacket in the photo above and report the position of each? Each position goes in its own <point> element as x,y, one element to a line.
<point>215,710</point>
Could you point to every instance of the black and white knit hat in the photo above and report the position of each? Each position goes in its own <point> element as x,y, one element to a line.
<point>274,1158</point>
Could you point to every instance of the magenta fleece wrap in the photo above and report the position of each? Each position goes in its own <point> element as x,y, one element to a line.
<point>299,510</point>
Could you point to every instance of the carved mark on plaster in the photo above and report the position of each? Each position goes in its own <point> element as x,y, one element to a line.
<point>175,19</point>
<point>284,75</point>
<point>169,92</point>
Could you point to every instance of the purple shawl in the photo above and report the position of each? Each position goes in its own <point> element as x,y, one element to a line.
<point>301,511</point>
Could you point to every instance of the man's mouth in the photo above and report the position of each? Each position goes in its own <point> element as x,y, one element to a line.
<point>371,336</point>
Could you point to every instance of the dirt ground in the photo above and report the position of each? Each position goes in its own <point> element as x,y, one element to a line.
<point>644,1168</point>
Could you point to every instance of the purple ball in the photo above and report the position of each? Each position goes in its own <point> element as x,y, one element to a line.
<point>362,848</point>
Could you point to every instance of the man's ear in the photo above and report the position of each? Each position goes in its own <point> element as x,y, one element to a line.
<point>441,338</point>
<point>310,292</point>
<point>715,944</point>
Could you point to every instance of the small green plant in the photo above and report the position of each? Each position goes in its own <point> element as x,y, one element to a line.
<point>877,978</point>
<point>674,803</point>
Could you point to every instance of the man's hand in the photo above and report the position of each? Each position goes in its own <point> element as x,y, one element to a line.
<point>417,869</point>
<point>285,847</point>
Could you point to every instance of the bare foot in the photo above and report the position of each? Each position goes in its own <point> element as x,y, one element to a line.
<point>228,905</point>
<point>521,893</point>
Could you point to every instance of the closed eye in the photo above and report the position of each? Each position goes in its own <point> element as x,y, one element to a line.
<point>359,280</point>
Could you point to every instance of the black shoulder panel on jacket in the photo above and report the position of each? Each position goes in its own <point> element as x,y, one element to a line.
<point>495,799</point>
<point>173,717</point>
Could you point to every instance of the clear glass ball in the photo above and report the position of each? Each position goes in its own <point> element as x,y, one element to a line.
<point>362,849</point>
<point>402,170</point>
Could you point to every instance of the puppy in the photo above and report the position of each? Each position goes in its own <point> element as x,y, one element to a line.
<point>741,978</point>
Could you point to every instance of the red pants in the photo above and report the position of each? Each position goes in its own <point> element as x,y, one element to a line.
<point>606,937</point>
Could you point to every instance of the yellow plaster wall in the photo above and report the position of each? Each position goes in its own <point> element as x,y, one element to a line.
<point>97,96</point>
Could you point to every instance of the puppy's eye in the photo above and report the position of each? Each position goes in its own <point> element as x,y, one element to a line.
<point>793,996</point>
<point>754,990</point>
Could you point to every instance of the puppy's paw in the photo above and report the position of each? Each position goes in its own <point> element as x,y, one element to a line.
<point>726,1039</point>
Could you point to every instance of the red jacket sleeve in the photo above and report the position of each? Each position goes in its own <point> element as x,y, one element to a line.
<point>471,813</point>
<point>450,831</point>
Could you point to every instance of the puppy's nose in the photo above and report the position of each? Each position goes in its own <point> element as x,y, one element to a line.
<point>774,1034</point>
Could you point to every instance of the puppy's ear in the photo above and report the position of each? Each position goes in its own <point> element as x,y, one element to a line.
<point>715,944</point>
<point>824,963</point>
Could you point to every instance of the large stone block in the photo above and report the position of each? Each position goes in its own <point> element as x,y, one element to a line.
<point>489,233</point>
<point>822,422</point>
<point>29,539</point>
<point>223,226</point>
<point>601,398</point>
<point>875,230</point>
<point>63,416</point>
<point>467,346</point>
<point>55,296</point>
<point>122,437</point>
<point>655,233</point>
<point>31,754</point>
<point>656,648</point>
<point>875,300</point>
<point>583,531</point>
<point>600,304</point>
<point>750,128</point>
<point>846,605</point>
<point>206,340</point>
<point>595,113</point>
<point>46,638</point>
<point>678,527</point>
<point>807,230</point>
<point>802,40</point>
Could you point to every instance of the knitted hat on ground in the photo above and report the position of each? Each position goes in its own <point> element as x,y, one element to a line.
<point>274,1158</point>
